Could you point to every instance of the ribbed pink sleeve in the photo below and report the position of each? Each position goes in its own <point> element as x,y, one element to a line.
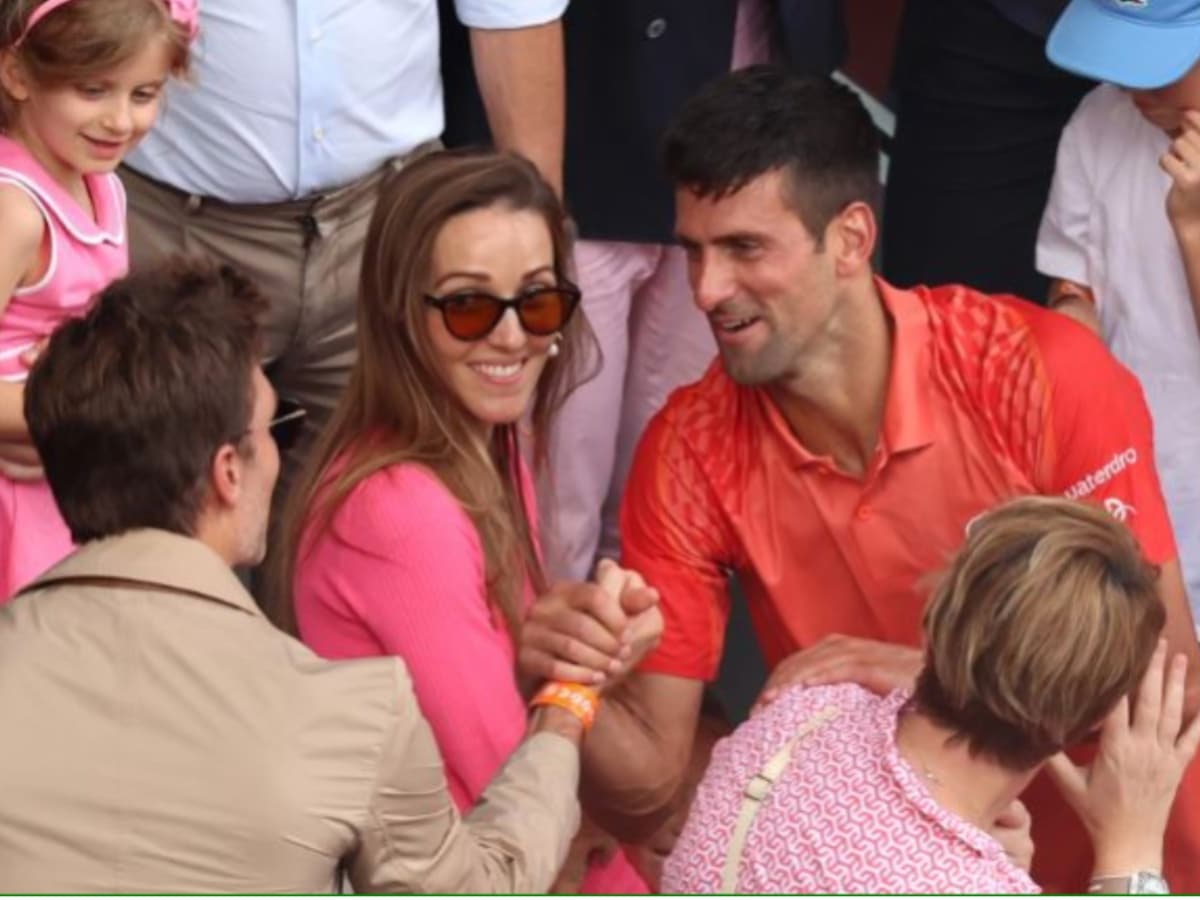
<point>401,573</point>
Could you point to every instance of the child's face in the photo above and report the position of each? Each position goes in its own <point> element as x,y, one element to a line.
<point>88,127</point>
<point>1165,106</point>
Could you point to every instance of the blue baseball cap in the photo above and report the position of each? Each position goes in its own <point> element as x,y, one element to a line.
<point>1132,43</point>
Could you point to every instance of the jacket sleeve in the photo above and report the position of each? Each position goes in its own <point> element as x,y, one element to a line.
<point>514,840</point>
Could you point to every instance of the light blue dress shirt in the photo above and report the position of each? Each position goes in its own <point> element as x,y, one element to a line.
<point>293,97</point>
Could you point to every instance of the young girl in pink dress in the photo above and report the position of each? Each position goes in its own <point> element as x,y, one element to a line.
<point>412,533</point>
<point>80,84</point>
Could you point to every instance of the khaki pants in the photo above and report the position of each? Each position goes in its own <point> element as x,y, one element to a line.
<point>304,256</point>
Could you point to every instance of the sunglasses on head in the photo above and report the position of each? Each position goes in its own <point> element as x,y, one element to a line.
<point>287,424</point>
<point>470,315</point>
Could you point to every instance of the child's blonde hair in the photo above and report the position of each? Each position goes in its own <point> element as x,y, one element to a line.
<point>85,38</point>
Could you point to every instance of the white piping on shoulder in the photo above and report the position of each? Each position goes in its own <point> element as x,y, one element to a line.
<point>6,177</point>
<point>117,197</point>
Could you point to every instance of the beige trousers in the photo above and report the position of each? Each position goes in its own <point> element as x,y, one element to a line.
<point>304,256</point>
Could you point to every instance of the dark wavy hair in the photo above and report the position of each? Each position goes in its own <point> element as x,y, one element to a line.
<point>765,119</point>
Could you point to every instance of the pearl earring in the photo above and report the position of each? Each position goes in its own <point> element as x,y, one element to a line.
<point>553,350</point>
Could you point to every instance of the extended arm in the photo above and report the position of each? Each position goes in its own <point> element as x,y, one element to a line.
<point>637,754</point>
<point>521,76</point>
<point>513,841</point>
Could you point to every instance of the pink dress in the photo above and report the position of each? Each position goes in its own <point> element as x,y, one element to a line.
<point>85,255</point>
<point>846,815</point>
<point>401,573</point>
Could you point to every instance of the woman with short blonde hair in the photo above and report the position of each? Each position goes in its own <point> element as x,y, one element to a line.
<point>1047,619</point>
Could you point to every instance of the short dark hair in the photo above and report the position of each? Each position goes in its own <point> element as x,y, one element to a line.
<point>764,119</point>
<point>128,404</point>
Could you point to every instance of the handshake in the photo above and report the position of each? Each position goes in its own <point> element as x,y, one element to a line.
<point>591,633</point>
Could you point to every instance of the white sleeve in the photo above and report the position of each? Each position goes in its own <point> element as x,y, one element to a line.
<point>508,13</point>
<point>1063,239</point>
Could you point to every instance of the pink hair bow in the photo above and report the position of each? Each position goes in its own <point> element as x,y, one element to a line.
<point>184,12</point>
<point>187,14</point>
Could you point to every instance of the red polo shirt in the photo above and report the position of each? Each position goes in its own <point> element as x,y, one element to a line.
<point>988,398</point>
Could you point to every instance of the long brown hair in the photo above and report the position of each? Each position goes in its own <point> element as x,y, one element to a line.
<point>397,407</point>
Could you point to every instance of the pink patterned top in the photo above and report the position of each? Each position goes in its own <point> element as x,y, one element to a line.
<point>847,815</point>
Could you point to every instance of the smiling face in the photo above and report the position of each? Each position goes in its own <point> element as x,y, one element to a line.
<point>766,284</point>
<point>1164,107</point>
<point>504,252</point>
<point>89,126</point>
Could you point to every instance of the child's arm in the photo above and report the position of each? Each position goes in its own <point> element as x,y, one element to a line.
<point>1075,300</point>
<point>22,229</point>
<point>1182,163</point>
<point>1064,238</point>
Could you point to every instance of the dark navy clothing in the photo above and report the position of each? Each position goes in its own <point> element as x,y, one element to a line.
<point>1035,16</point>
<point>630,65</point>
<point>979,111</point>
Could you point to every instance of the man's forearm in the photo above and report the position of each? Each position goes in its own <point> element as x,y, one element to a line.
<point>631,773</point>
<point>521,76</point>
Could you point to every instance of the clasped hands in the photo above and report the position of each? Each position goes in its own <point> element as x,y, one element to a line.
<point>594,633</point>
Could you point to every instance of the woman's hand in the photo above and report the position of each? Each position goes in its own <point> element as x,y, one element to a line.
<point>591,633</point>
<point>1124,797</point>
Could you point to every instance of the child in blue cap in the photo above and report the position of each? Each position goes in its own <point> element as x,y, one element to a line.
<point>1120,235</point>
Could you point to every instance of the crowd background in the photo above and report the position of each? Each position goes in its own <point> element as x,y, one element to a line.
<point>478,465</point>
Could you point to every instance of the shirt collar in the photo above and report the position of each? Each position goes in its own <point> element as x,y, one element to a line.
<point>104,189</point>
<point>907,417</point>
<point>162,559</point>
<point>914,789</point>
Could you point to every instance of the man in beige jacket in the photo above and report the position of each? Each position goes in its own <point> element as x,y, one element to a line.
<point>159,734</point>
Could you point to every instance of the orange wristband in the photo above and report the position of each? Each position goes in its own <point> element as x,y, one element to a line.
<point>578,699</point>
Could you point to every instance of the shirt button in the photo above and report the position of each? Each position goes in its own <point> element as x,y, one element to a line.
<point>315,35</point>
<point>319,133</point>
<point>864,513</point>
<point>656,28</point>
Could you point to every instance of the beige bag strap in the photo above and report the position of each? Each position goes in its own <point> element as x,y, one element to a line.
<point>757,791</point>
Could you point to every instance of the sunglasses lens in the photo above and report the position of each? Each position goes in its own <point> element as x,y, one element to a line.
<point>471,316</point>
<point>546,311</point>
<point>288,424</point>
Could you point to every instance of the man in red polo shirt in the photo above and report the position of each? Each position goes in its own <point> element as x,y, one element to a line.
<point>834,454</point>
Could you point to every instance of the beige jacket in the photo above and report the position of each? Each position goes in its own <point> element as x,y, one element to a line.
<point>160,735</point>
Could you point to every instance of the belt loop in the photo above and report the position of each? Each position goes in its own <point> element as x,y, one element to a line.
<point>310,226</point>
